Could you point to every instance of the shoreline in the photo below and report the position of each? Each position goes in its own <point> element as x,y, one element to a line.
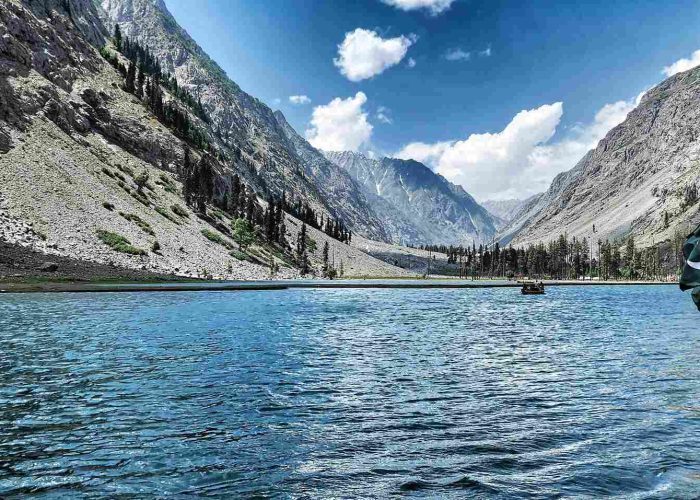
<point>241,286</point>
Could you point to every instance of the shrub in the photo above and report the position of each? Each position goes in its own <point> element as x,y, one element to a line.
<point>310,244</point>
<point>140,197</point>
<point>109,206</point>
<point>124,187</point>
<point>178,210</point>
<point>125,169</point>
<point>142,224</point>
<point>167,184</point>
<point>162,211</point>
<point>240,255</point>
<point>141,181</point>
<point>118,243</point>
<point>155,247</point>
<point>243,233</point>
<point>215,237</point>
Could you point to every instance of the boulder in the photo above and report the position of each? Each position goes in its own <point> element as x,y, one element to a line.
<point>48,267</point>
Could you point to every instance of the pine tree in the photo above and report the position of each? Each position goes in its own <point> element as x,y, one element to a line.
<point>302,257</point>
<point>250,208</point>
<point>140,81</point>
<point>235,195</point>
<point>325,259</point>
<point>187,178</point>
<point>205,183</point>
<point>629,256</point>
<point>269,221</point>
<point>130,83</point>
<point>117,38</point>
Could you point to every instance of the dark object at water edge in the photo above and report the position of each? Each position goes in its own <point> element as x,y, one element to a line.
<point>533,288</point>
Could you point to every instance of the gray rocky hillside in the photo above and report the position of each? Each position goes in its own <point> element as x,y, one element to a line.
<point>90,171</point>
<point>418,205</point>
<point>506,210</point>
<point>641,180</point>
<point>241,125</point>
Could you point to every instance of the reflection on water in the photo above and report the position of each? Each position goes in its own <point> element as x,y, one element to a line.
<point>354,393</point>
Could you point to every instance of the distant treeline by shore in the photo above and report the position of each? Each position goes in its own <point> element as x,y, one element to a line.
<point>567,258</point>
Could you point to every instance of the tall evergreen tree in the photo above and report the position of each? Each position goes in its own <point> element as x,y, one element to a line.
<point>130,83</point>
<point>325,259</point>
<point>117,38</point>
<point>302,257</point>
<point>235,195</point>
<point>138,91</point>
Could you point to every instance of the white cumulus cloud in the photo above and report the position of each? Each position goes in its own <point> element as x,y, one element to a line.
<point>683,64</point>
<point>340,125</point>
<point>424,152</point>
<point>364,54</point>
<point>411,62</point>
<point>520,160</point>
<point>299,99</point>
<point>434,6</point>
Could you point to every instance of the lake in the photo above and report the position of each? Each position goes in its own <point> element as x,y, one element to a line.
<point>587,391</point>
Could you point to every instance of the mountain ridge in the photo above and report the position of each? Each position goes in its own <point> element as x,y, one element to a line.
<point>640,180</point>
<point>440,212</point>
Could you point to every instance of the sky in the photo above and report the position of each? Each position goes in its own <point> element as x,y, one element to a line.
<point>498,96</point>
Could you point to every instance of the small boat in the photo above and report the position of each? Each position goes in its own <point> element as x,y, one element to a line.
<point>532,288</point>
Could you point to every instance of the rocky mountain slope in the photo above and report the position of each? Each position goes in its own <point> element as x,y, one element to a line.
<point>259,144</point>
<point>505,210</point>
<point>417,205</point>
<point>641,179</point>
<point>75,148</point>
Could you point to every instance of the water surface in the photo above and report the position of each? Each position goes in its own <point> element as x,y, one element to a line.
<point>588,391</point>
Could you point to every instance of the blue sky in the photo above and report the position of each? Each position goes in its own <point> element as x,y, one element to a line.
<point>501,121</point>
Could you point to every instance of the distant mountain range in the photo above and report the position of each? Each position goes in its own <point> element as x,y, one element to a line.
<point>417,205</point>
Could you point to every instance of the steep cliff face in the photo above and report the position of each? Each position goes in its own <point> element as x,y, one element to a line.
<point>423,207</point>
<point>81,13</point>
<point>239,122</point>
<point>641,179</point>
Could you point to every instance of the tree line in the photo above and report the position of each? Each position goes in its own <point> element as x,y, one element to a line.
<point>562,258</point>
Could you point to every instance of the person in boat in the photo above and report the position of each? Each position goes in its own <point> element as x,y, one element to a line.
<point>533,287</point>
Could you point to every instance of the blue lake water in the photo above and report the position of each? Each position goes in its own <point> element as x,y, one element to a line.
<point>585,392</point>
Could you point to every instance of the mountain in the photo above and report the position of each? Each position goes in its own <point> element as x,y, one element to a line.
<point>506,210</point>
<point>334,183</point>
<point>92,170</point>
<point>259,143</point>
<point>417,205</point>
<point>641,179</point>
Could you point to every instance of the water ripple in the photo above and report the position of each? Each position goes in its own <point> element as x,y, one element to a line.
<point>348,393</point>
